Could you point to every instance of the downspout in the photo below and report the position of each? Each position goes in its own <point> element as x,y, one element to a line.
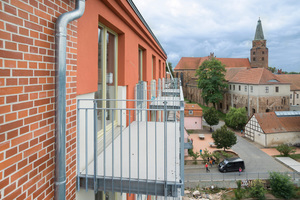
<point>60,96</point>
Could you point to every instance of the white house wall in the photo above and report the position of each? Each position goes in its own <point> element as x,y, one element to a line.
<point>276,139</point>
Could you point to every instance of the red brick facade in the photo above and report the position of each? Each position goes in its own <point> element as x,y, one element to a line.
<point>27,98</point>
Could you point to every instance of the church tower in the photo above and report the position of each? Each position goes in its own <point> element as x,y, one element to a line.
<point>259,52</point>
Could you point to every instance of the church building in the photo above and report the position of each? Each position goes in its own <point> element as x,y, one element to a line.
<point>250,83</point>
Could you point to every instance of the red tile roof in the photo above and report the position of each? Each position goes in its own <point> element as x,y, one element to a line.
<point>193,63</point>
<point>270,123</point>
<point>256,76</point>
<point>294,79</point>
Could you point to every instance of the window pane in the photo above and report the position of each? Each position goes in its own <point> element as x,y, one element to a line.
<point>98,94</point>
<point>110,75</point>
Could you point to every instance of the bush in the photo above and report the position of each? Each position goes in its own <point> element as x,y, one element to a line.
<point>236,118</point>
<point>281,185</point>
<point>257,190</point>
<point>211,116</point>
<point>239,192</point>
<point>285,149</point>
<point>205,155</point>
<point>224,138</point>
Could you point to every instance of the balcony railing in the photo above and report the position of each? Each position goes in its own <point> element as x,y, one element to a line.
<point>133,146</point>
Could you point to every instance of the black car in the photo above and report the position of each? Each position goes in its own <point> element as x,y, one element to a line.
<point>231,165</point>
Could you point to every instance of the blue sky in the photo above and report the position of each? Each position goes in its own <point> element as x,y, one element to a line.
<point>194,28</point>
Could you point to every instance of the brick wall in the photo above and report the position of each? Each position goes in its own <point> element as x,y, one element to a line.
<point>27,98</point>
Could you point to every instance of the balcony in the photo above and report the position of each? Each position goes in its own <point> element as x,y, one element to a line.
<point>133,146</point>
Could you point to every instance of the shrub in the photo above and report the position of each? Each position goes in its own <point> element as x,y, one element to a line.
<point>236,118</point>
<point>195,156</point>
<point>217,156</point>
<point>285,149</point>
<point>257,190</point>
<point>224,138</point>
<point>205,154</point>
<point>281,185</point>
<point>211,116</point>
<point>239,192</point>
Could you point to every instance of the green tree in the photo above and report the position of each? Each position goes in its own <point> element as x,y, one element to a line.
<point>272,69</point>
<point>257,190</point>
<point>281,185</point>
<point>211,80</point>
<point>285,149</point>
<point>171,68</point>
<point>224,138</point>
<point>211,116</point>
<point>236,118</point>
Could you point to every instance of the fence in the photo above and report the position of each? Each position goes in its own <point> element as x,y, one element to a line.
<point>228,180</point>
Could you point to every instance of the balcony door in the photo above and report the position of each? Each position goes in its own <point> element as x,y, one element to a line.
<point>107,76</point>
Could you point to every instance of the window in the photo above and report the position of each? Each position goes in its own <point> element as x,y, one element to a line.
<point>245,88</point>
<point>233,87</point>
<point>107,73</point>
<point>239,88</point>
<point>230,87</point>
<point>251,88</point>
<point>190,112</point>
<point>253,59</point>
<point>267,89</point>
<point>291,96</point>
<point>297,96</point>
<point>253,52</point>
<point>142,65</point>
<point>154,67</point>
<point>263,52</point>
<point>262,58</point>
<point>277,89</point>
<point>159,68</point>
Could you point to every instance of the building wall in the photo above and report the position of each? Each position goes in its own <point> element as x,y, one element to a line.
<point>132,35</point>
<point>276,139</point>
<point>259,54</point>
<point>294,97</point>
<point>27,96</point>
<point>258,98</point>
<point>193,123</point>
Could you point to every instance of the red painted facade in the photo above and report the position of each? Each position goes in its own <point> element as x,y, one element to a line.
<point>27,84</point>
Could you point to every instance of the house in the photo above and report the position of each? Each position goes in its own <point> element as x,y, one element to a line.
<point>274,128</point>
<point>84,109</point>
<point>294,79</point>
<point>256,89</point>
<point>192,117</point>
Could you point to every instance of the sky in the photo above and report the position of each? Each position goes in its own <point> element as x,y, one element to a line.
<point>194,28</point>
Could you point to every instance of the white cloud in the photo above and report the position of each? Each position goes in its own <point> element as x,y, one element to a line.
<point>189,28</point>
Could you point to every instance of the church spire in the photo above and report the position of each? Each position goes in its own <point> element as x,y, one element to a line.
<point>259,34</point>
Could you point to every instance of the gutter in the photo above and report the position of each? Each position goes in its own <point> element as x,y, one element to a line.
<point>60,96</point>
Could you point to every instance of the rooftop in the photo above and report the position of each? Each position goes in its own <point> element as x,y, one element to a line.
<point>193,63</point>
<point>254,76</point>
<point>271,123</point>
<point>294,79</point>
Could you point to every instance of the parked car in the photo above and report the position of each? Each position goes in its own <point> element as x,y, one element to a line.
<point>231,165</point>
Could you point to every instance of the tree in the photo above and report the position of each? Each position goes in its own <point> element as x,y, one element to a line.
<point>272,69</point>
<point>211,80</point>
<point>171,69</point>
<point>285,149</point>
<point>211,116</point>
<point>257,190</point>
<point>236,118</point>
<point>224,138</point>
<point>281,185</point>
